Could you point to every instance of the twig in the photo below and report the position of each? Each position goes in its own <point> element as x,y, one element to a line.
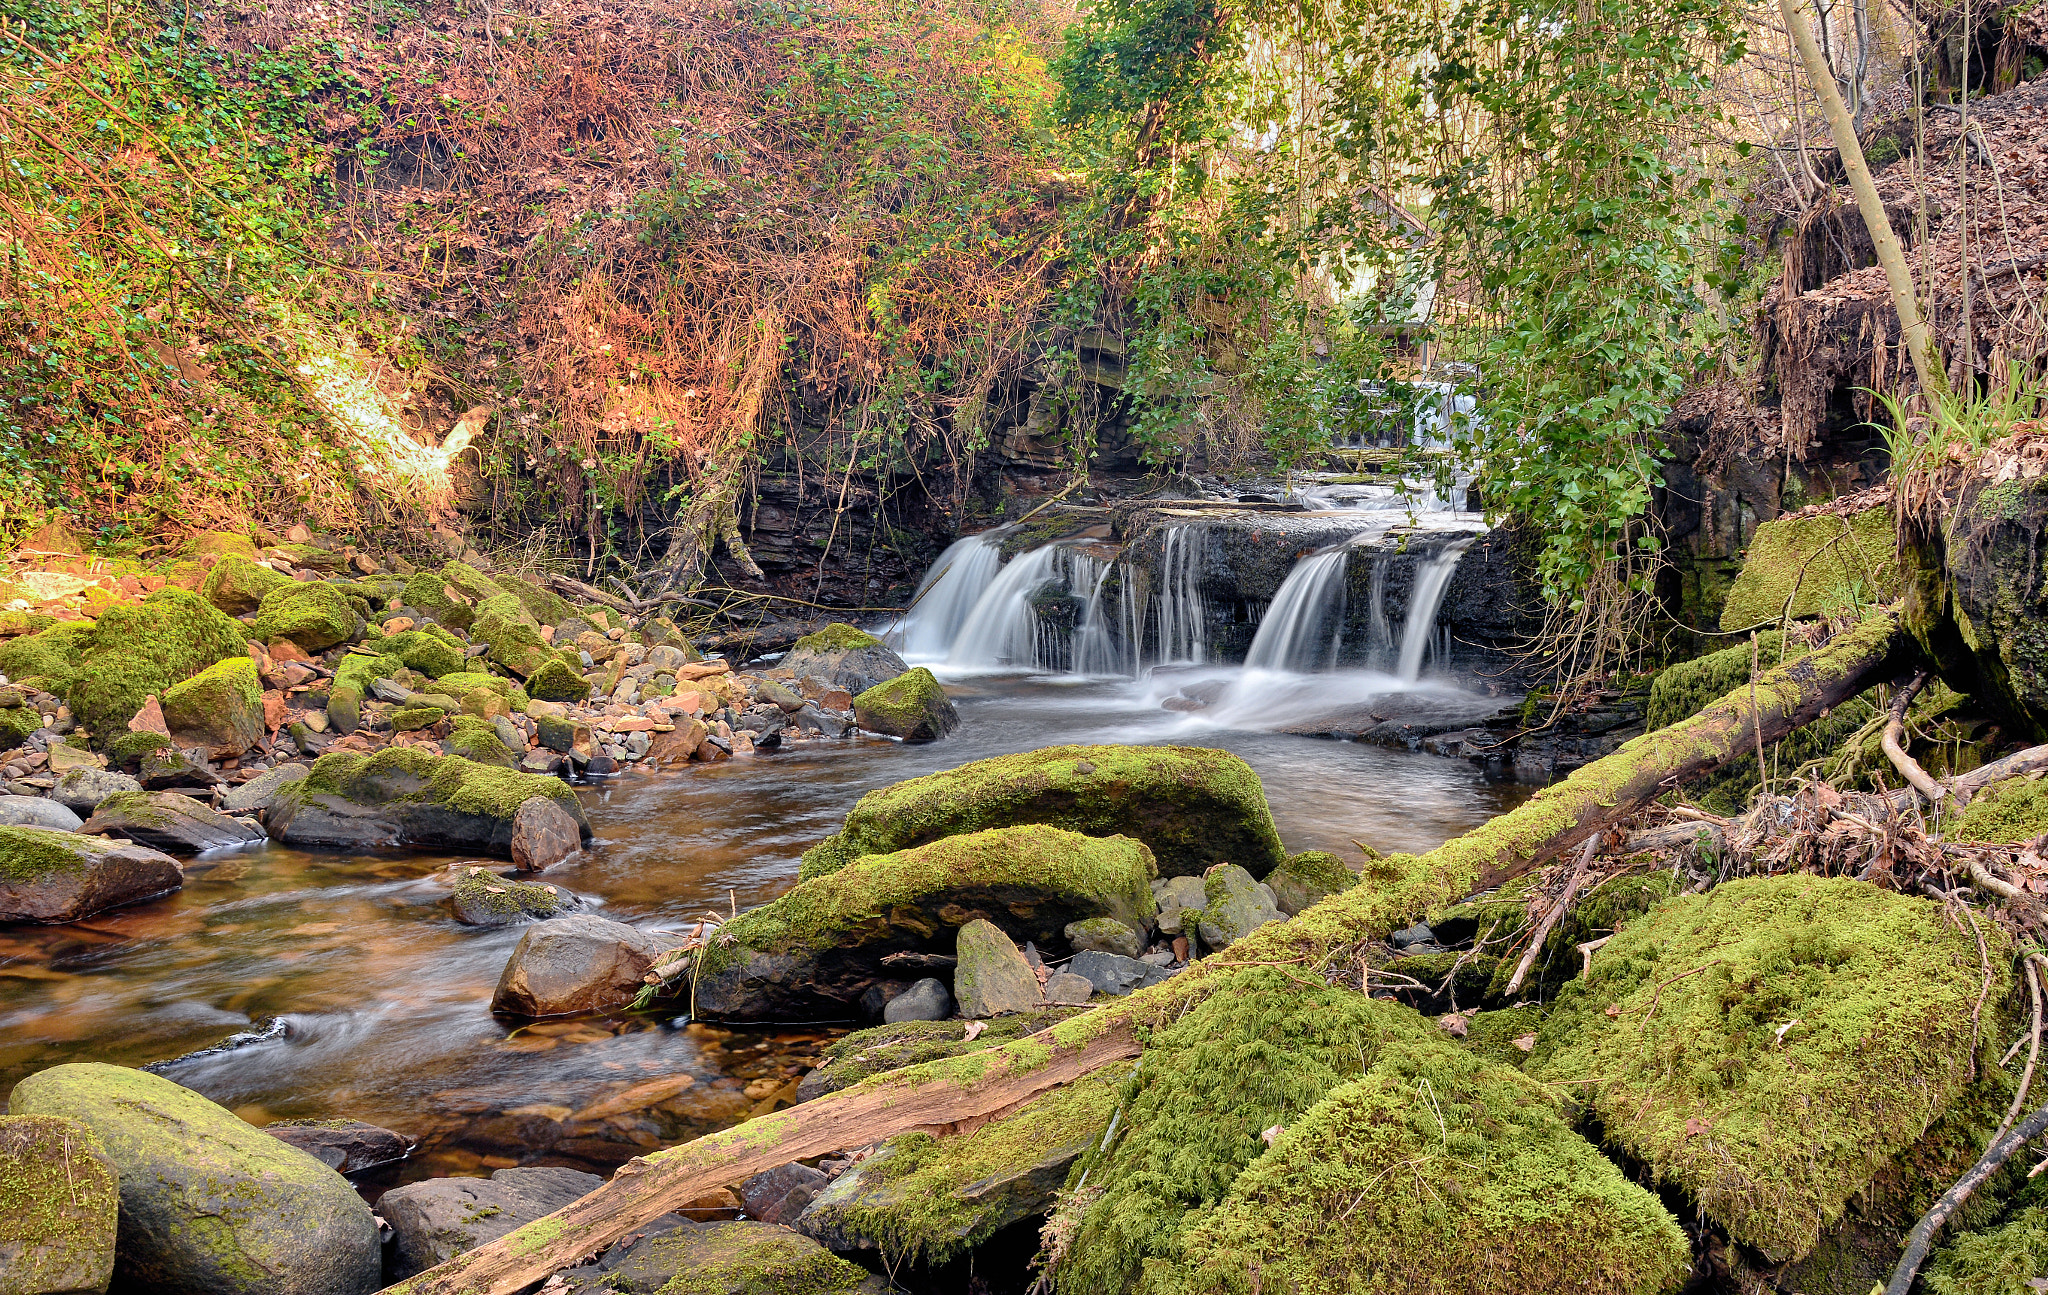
<point>1550,919</point>
<point>1921,1238</point>
<point>1586,951</point>
<point>2019,1098</point>
<point>1894,729</point>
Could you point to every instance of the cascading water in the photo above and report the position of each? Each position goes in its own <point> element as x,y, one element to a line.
<point>1103,648</point>
<point>1183,612</point>
<point>945,598</point>
<point>1304,628</point>
<point>1431,579</point>
<point>1001,631</point>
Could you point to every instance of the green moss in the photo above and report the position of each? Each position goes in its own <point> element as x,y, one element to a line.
<point>744,1258</point>
<point>427,653</point>
<point>409,719</point>
<point>1826,566</point>
<point>477,740</point>
<point>222,544</point>
<point>2003,1261</point>
<point>55,653</point>
<point>849,1060</point>
<point>357,669</point>
<point>1193,806</point>
<point>555,680</point>
<point>1492,1034</point>
<point>913,704</point>
<point>1684,690</point>
<point>836,637</point>
<point>142,649</point>
<point>16,723</point>
<point>2006,812</point>
<point>1770,1134</point>
<point>60,1198</point>
<point>237,585</point>
<point>1260,1047</point>
<point>490,893</point>
<point>311,613</point>
<point>426,591</point>
<point>1441,1171</point>
<point>31,853</point>
<point>513,635</point>
<point>13,623</point>
<point>410,773</point>
<point>128,749</point>
<point>546,607</point>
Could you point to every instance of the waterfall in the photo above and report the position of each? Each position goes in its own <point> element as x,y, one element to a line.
<point>1427,595</point>
<point>1002,628</point>
<point>1304,628</point>
<point>1381,634</point>
<point>1100,648</point>
<point>1183,612</point>
<point>945,597</point>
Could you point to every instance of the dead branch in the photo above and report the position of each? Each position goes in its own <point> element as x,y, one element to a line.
<point>1550,919</point>
<point>2032,760</point>
<point>1895,729</point>
<point>1921,1238</point>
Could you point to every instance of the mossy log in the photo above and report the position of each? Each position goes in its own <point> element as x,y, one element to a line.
<point>961,1092</point>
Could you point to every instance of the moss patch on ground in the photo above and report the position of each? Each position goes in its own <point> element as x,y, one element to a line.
<point>2003,1261</point>
<point>1773,1045</point>
<point>1193,806</point>
<point>2010,811</point>
<point>1826,566</point>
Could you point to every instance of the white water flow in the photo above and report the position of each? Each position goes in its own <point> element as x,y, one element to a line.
<point>1001,631</point>
<point>1101,648</point>
<point>1183,612</point>
<point>945,598</point>
<point>1303,630</point>
<point>1427,595</point>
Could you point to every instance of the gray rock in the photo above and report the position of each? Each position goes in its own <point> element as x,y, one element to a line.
<point>544,834</point>
<point>1237,906</point>
<point>386,690</point>
<point>579,963</point>
<point>82,790</point>
<point>779,1195</point>
<point>210,1205</point>
<point>483,898</point>
<point>508,733</point>
<point>48,875</point>
<point>742,1257</point>
<point>864,662</point>
<point>37,811</point>
<point>436,1220</point>
<point>1066,987</point>
<point>172,767</point>
<point>1104,935</point>
<point>992,976</point>
<point>1416,934</point>
<point>167,821</point>
<point>63,1199</point>
<point>1176,897</point>
<point>777,695</point>
<point>260,791</point>
<point>344,1146</point>
<point>927,1000</point>
<point>1112,974</point>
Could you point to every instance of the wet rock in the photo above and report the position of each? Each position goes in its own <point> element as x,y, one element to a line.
<point>313,614</point>
<point>409,796</point>
<point>1236,907</point>
<point>345,1146</point>
<point>1110,973</point>
<point>543,835</point>
<point>436,1220</point>
<point>51,875</point>
<point>82,790</point>
<point>845,657</point>
<point>557,681</point>
<point>911,706</point>
<point>60,1200</point>
<point>37,811</point>
<point>483,898</point>
<point>778,696</point>
<point>236,585</point>
<point>1104,935</point>
<point>579,963</point>
<point>927,1000</point>
<point>210,1205</point>
<point>167,821</point>
<point>814,951</point>
<point>1308,878</point>
<point>219,710</point>
<point>1408,935</point>
<point>1193,806</point>
<point>1179,897</point>
<point>741,1257</point>
<point>992,976</point>
<point>1066,987</point>
<point>259,792</point>
<point>779,1195</point>
<point>168,767</point>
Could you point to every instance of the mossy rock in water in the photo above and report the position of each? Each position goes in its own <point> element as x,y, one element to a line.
<point>1438,1170</point>
<point>925,1200</point>
<point>1258,1048</point>
<point>845,657</point>
<point>219,709</point>
<point>54,653</point>
<point>911,706</point>
<point>1826,565</point>
<point>742,1257</point>
<point>60,1199</point>
<point>430,654</point>
<point>209,1203</point>
<point>814,951</point>
<point>556,680</point>
<point>2005,812</point>
<point>1774,1045</point>
<point>142,649</point>
<point>237,585</point>
<point>866,1053</point>
<point>311,613</point>
<point>410,796</point>
<point>2004,1260</point>
<point>1193,806</point>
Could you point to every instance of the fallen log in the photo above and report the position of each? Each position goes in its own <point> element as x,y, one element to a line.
<point>2032,760</point>
<point>965,1090</point>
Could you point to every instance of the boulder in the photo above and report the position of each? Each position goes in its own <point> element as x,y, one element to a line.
<point>991,976</point>
<point>557,680</point>
<point>236,585</point>
<point>779,1195</point>
<point>1112,973</point>
<point>1066,987</point>
<point>53,654</point>
<point>1236,906</point>
<point>408,796</point>
<point>1193,806</point>
<point>64,757</point>
<point>512,634</point>
<point>168,767</point>
<point>60,1200</point>
<point>432,654</point>
<point>1823,565</point>
<point>1783,1008</point>
<point>168,821</point>
<point>911,706</point>
<point>1180,902</point>
<point>928,1200</point>
<point>814,951</point>
<point>845,657</point>
<point>544,834</point>
<point>1104,935</point>
<point>435,1220</point>
<point>579,963</point>
<point>927,1000</point>
<point>1308,878</point>
<point>311,613</point>
<point>210,1205</point>
<point>478,741</point>
<point>52,875</point>
<point>345,1146</point>
<point>864,1053</point>
<point>138,650</point>
<point>37,811</point>
<point>219,710</point>
<point>261,791</point>
<point>482,898</point>
<point>681,1257</point>
<point>783,699</point>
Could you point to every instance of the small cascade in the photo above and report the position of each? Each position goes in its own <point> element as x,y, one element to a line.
<point>1106,642</point>
<point>1304,628</point>
<point>1183,613</point>
<point>1381,635</point>
<point>1432,577</point>
<point>1002,629</point>
<point>945,598</point>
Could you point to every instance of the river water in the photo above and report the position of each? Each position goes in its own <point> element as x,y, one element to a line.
<point>385,998</point>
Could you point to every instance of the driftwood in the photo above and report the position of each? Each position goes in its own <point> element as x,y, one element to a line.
<point>2032,760</point>
<point>1550,919</point>
<point>950,1094</point>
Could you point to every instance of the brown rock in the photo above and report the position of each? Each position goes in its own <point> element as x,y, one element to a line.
<point>398,625</point>
<point>679,743</point>
<point>284,651</point>
<point>102,874</point>
<point>150,719</point>
<point>64,756</point>
<point>836,699</point>
<point>711,752</point>
<point>275,713</point>
<point>543,834</point>
<point>580,963</point>
<point>342,1145</point>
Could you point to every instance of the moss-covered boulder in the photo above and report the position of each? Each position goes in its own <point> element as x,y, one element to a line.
<point>474,738</point>
<point>430,654</point>
<point>60,1199</point>
<point>482,898</point>
<point>209,1204</point>
<point>408,796</point>
<point>430,592</point>
<point>912,706</point>
<point>1774,1045</point>
<point>53,654</point>
<point>1824,565</point>
<point>1438,1170</point>
<point>464,682</point>
<point>1308,878</point>
<point>140,649</point>
<point>741,1257</point>
<point>813,952</point>
<point>864,1053</point>
<point>513,635</point>
<point>17,721</point>
<point>543,605</point>
<point>556,680</point>
<point>220,709</point>
<point>52,875</point>
<point>311,613</point>
<point>1193,806</point>
<point>844,656</point>
<point>237,585</point>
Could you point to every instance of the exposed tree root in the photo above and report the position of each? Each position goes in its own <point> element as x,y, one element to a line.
<point>1895,751</point>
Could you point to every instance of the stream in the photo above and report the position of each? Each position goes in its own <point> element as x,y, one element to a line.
<point>384,997</point>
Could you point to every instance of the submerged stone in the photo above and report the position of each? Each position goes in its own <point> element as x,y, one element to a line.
<point>169,821</point>
<point>52,875</point>
<point>60,1200</point>
<point>578,963</point>
<point>436,1220</point>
